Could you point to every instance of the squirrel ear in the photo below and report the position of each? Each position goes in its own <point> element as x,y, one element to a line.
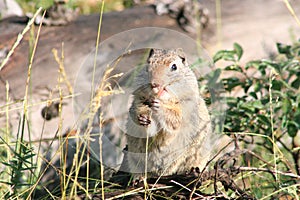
<point>150,54</point>
<point>181,54</point>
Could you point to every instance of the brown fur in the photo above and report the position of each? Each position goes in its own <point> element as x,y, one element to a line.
<point>178,129</point>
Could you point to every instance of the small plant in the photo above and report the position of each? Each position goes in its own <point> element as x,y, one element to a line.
<point>263,109</point>
<point>21,167</point>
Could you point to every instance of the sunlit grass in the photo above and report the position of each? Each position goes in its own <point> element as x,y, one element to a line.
<point>21,162</point>
<point>84,6</point>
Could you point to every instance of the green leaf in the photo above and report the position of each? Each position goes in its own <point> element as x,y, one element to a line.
<point>238,50</point>
<point>265,120</point>
<point>292,128</point>
<point>296,83</point>
<point>231,83</point>
<point>274,65</point>
<point>297,118</point>
<point>257,104</point>
<point>262,68</point>
<point>276,85</point>
<point>284,121</point>
<point>254,63</point>
<point>227,55</point>
<point>286,105</point>
<point>213,77</point>
<point>257,192</point>
<point>257,86</point>
<point>231,101</point>
<point>284,49</point>
<point>253,94</point>
<point>265,100</point>
<point>248,107</point>
<point>234,68</point>
<point>247,85</point>
<point>218,56</point>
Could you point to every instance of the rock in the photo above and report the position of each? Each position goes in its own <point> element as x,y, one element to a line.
<point>9,8</point>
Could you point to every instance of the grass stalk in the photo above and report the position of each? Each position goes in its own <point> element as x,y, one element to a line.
<point>219,22</point>
<point>21,149</point>
<point>272,124</point>
<point>292,11</point>
<point>7,131</point>
<point>19,38</point>
<point>92,89</point>
<point>62,72</point>
<point>33,51</point>
<point>39,156</point>
<point>280,190</point>
<point>30,65</point>
<point>146,164</point>
<point>64,152</point>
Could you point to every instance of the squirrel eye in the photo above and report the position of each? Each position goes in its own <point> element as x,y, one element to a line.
<point>173,67</point>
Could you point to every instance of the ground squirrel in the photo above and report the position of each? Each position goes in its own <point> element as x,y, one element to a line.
<point>168,108</point>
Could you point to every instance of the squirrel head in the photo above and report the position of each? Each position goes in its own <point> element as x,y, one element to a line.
<point>169,74</point>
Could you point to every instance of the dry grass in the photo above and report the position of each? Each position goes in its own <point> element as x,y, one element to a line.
<point>22,163</point>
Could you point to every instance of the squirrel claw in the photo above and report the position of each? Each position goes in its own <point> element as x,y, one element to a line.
<point>155,104</point>
<point>144,120</point>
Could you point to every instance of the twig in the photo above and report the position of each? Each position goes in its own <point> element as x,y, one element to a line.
<point>214,157</point>
<point>255,169</point>
<point>188,189</point>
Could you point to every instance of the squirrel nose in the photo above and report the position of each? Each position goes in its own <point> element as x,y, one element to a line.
<point>154,85</point>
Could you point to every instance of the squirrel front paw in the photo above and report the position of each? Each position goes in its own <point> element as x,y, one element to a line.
<point>144,120</point>
<point>144,117</point>
<point>154,104</point>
